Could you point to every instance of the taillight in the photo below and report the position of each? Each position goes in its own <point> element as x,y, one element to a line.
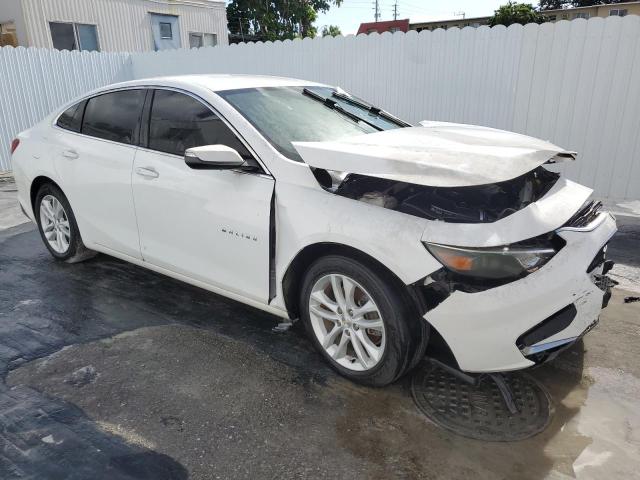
<point>14,144</point>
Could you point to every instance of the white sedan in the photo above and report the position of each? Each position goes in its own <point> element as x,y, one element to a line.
<point>383,237</point>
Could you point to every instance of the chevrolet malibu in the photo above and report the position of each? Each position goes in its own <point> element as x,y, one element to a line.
<point>383,237</point>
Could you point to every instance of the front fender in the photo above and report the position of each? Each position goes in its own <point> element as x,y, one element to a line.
<point>307,216</point>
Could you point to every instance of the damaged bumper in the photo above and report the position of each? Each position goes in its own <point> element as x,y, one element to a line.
<point>512,326</point>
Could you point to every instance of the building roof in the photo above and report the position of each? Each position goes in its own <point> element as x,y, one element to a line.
<point>606,5</point>
<point>459,19</point>
<point>544,12</point>
<point>386,26</point>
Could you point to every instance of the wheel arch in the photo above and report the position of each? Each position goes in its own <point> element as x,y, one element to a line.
<point>36,184</point>
<point>292,278</point>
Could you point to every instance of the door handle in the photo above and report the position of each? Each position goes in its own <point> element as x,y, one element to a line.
<point>148,172</point>
<point>70,154</point>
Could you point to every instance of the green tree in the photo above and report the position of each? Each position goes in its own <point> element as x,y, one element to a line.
<point>512,12</point>
<point>276,19</point>
<point>332,30</point>
<point>553,4</point>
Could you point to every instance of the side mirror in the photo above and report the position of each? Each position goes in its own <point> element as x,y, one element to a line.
<point>213,157</point>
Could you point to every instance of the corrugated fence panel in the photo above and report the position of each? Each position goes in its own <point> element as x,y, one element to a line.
<point>34,82</point>
<point>574,83</point>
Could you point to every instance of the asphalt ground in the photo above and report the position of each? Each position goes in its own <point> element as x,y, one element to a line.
<point>112,371</point>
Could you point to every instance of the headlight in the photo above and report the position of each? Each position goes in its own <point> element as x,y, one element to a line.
<point>491,263</point>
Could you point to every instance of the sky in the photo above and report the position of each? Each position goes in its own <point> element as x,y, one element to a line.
<point>353,12</point>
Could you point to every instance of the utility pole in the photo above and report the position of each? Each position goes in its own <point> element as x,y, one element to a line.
<point>460,14</point>
<point>395,10</point>
<point>241,32</point>
<point>376,15</point>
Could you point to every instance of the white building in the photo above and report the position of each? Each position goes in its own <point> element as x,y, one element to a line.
<point>113,25</point>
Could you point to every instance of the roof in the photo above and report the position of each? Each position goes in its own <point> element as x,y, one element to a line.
<point>385,26</point>
<point>217,82</point>
<point>449,20</point>
<point>554,11</point>
<point>597,5</point>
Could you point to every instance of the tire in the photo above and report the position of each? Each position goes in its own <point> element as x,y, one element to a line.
<point>71,249</point>
<point>398,335</point>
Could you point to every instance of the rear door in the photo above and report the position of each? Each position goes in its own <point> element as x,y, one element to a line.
<point>210,225</point>
<point>94,157</point>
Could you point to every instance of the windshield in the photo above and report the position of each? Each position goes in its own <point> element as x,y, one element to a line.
<point>312,114</point>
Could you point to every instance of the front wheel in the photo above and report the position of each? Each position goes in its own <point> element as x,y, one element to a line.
<point>359,320</point>
<point>58,227</point>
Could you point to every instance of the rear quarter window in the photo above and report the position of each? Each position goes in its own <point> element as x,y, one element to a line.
<point>71,118</point>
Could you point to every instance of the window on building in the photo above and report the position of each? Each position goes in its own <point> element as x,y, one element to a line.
<point>197,40</point>
<point>582,15</point>
<point>8,34</point>
<point>394,29</point>
<point>74,36</point>
<point>165,31</point>
<point>565,16</point>
<point>114,116</point>
<point>618,12</point>
<point>179,122</point>
<point>88,37</point>
<point>552,18</point>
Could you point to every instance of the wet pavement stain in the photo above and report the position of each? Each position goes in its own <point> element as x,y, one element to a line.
<point>117,372</point>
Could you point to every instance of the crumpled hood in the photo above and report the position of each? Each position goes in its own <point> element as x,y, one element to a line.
<point>436,154</point>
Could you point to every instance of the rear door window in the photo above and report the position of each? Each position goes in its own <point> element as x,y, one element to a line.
<point>114,116</point>
<point>179,122</point>
<point>71,118</point>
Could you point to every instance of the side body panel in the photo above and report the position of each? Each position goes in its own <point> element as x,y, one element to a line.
<point>211,225</point>
<point>95,176</point>
<point>307,216</point>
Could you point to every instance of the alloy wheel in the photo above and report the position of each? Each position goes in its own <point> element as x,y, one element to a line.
<point>55,224</point>
<point>347,322</point>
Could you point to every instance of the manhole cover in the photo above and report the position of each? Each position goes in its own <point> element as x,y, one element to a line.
<point>479,411</point>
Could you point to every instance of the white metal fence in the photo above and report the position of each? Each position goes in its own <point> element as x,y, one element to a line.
<point>34,82</point>
<point>575,83</point>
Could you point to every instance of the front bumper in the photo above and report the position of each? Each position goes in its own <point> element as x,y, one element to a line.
<point>482,329</point>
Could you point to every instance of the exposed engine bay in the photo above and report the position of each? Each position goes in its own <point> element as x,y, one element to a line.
<point>469,204</point>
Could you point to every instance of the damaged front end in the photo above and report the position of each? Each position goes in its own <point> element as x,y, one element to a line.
<point>521,249</point>
<point>470,204</point>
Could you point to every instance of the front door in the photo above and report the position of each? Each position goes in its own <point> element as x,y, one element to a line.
<point>210,225</point>
<point>166,31</point>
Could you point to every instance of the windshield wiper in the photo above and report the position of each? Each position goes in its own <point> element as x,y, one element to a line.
<point>338,108</point>
<point>372,109</point>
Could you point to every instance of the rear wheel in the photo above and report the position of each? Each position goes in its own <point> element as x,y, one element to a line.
<point>359,320</point>
<point>58,227</point>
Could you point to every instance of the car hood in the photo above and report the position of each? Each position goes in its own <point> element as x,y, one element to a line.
<point>436,154</point>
